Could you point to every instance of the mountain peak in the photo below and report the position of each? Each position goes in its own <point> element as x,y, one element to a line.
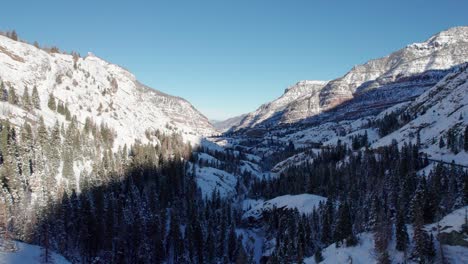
<point>304,83</point>
<point>92,87</point>
<point>447,37</point>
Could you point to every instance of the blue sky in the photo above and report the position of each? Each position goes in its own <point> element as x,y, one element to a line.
<point>228,57</point>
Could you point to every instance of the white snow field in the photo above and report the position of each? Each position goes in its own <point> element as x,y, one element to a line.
<point>29,254</point>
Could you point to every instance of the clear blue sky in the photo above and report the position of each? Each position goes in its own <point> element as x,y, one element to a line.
<point>228,57</point>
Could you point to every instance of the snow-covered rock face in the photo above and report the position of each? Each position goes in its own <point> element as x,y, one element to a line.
<point>291,94</point>
<point>92,87</point>
<point>439,109</point>
<point>440,52</point>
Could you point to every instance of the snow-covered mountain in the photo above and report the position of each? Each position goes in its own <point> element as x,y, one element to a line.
<point>437,112</point>
<point>419,63</point>
<point>226,124</point>
<point>93,88</point>
<point>272,111</point>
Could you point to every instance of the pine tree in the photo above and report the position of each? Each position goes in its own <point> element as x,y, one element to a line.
<point>14,35</point>
<point>384,258</point>
<point>210,246</point>
<point>36,101</point>
<point>12,97</point>
<point>430,249</point>
<point>26,100</point>
<point>318,256</point>
<point>51,103</point>
<point>3,92</point>
<point>465,145</point>
<point>420,237</point>
<point>241,257</point>
<point>441,142</point>
<point>175,243</point>
<point>402,238</point>
<point>232,244</point>
<point>344,226</point>
<point>327,222</point>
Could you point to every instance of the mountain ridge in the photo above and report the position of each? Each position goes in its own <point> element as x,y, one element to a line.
<point>439,52</point>
<point>92,87</point>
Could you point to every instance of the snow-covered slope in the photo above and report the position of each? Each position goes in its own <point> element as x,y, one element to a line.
<point>401,75</point>
<point>443,107</point>
<point>274,108</point>
<point>304,203</point>
<point>364,252</point>
<point>26,253</point>
<point>92,87</point>
<point>211,179</point>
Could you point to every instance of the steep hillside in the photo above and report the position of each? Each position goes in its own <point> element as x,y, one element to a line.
<point>440,119</point>
<point>272,111</point>
<point>365,252</point>
<point>93,88</point>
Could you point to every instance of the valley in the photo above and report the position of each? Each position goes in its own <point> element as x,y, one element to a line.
<point>370,167</point>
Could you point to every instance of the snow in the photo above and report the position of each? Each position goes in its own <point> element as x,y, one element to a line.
<point>443,106</point>
<point>364,252</point>
<point>207,157</point>
<point>372,135</point>
<point>210,144</point>
<point>304,203</point>
<point>130,108</point>
<point>360,254</point>
<point>440,52</point>
<point>248,204</point>
<point>294,160</point>
<point>254,169</point>
<point>456,254</point>
<point>253,240</point>
<point>27,253</point>
<point>451,222</point>
<point>291,94</point>
<point>210,179</point>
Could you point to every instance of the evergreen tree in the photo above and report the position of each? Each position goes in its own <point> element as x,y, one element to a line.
<point>12,97</point>
<point>3,92</point>
<point>344,226</point>
<point>175,243</point>
<point>36,101</point>
<point>318,256</point>
<point>51,103</point>
<point>465,145</point>
<point>232,244</point>
<point>14,35</point>
<point>441,142</point>
<point>26,100</point>
<point>402,238</point>
<point>423,248</point>
<point>327,222</point>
